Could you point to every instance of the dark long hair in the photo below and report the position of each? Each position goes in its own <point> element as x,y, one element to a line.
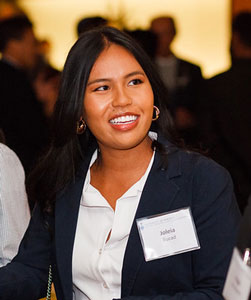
<point>59,166</point>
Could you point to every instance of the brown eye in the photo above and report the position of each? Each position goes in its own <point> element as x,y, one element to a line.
<point>135,82</point>
<point>102,88</point>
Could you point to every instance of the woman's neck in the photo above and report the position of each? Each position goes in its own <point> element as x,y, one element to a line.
<point>123,161</point>
<point>115,171</point>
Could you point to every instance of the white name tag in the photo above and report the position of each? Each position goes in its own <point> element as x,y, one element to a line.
<point>168,234</point>
<point>238,282</point>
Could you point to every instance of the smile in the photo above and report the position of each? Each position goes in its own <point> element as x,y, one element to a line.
<point>124,120</point>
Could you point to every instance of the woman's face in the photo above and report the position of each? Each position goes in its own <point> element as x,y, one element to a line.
<point>118,101</point>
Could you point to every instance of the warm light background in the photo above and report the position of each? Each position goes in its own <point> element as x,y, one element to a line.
<point>203,25</point>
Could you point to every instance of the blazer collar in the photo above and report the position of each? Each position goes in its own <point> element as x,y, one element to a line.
<point>173,168</point>
<point>66,216</point>
<point>157,186</point>
<point>67,208</point>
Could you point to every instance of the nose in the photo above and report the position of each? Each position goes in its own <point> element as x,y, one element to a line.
<point>121,97</point>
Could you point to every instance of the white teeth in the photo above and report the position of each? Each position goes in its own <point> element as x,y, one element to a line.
<point>123,119</point>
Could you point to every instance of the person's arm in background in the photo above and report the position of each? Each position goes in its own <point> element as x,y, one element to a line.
<point>14,208</point>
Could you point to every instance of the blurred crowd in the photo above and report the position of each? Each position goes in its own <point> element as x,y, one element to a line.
<point>211,115</point>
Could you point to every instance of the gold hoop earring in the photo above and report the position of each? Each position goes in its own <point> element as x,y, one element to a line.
<point>157,112</point>
<point>81,126</point>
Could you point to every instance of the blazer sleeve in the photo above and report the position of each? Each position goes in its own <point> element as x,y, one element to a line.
<point>216,216</point>
<point>26,276</point>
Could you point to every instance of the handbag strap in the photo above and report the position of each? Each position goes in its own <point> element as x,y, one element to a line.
<point>48,295</point>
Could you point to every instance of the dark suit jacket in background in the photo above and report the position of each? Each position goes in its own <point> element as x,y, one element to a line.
<point>21,116</point>
<point>244,235</point>
<point>189,181</point>
<point>188,84</point>
<point>226,120</point>
<point>185,94</point>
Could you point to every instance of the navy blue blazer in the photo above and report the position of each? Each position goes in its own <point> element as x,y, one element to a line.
<point>190,180</point>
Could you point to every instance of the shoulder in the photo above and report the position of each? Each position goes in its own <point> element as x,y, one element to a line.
<point>9,160</point>
<point>184,162</point>
<point>6,68</point>
<point>188,65</point>
<point>194,171</point>
<point>204,185</point>
<point>220,78</point>
<point>199,162</point>
<point>199,165</point>
<point>13,82</point>
<point>5,151</point>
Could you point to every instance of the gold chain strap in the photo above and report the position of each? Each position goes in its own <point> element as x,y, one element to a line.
<point>48,295</point>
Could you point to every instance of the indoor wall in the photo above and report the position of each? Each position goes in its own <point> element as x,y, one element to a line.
<point>203,25</point>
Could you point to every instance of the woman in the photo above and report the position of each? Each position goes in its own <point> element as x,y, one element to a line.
<point>94,185</point>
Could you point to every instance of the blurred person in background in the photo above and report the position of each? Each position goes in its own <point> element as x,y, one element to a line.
<point>147,40</point>
<point>183,79</point>
<point>10,9</point>
<point>46,86</point>
<point>45,79</point>
<point>14,208</point>
<point>21,115</point>
<point>226,111</point>
<point>88,23</point>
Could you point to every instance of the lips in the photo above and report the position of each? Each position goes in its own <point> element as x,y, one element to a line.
<point>124,122</point>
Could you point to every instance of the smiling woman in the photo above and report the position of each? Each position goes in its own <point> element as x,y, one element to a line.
<point>117,82</point>
<point>102,193</point>
<point>118,110</point>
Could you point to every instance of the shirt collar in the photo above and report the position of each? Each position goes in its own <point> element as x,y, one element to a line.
<point>93,197</point>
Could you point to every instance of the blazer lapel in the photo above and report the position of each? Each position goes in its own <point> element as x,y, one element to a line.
<point>66,216</point>
<point>157,186</point>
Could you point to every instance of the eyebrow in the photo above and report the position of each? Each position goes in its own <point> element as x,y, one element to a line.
<point>135,73</point>
<point>107,79</point>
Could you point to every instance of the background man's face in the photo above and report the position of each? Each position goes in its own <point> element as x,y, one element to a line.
<point>28,47</point>
<point>164,30</point>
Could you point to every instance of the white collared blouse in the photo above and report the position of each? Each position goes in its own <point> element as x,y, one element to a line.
<point>97,264</point>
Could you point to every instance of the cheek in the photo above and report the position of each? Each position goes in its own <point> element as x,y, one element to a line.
<point>88,113</point>
<point>148,102</point>
<point>150,97</point>
<point>93,109</point>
